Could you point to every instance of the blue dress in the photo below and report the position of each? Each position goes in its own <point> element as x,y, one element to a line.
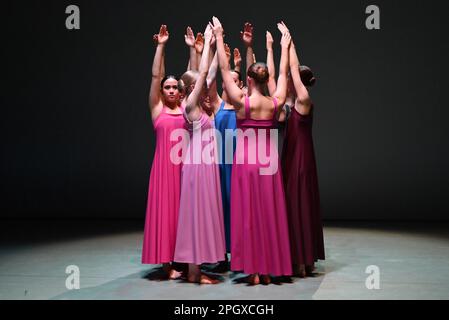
<point>225,119</point>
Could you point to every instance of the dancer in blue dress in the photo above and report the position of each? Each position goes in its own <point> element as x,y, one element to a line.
<point>225,123</point>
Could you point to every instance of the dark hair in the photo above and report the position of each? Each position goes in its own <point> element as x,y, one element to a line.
<point>181,86</point>
<point>259,72</point>
<point>307,77</point>
<point>170,76</point>
<point>187,79</point>
<point>238,73</point>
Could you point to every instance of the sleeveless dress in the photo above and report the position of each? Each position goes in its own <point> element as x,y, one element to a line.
<point>225,120</point>
<point>301,188</point>
<point>164,190</point>
<point>200,237</point>
<point>259,231</point>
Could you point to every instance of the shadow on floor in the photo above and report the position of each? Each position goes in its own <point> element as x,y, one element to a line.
<point>151,285</point>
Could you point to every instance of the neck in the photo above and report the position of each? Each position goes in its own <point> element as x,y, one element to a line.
<point>170,105</point>
<point>257,90</point>
<point>224,96</point>
<point>209,111</point>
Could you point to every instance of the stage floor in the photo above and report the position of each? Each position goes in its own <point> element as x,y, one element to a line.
<point>413,262</point>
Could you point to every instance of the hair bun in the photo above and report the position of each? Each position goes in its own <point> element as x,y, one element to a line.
<point>307,76</point>
<point>259,72</point>
<point>312,81</point>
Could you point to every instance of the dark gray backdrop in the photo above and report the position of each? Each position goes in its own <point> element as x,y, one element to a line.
<point>76,133</point>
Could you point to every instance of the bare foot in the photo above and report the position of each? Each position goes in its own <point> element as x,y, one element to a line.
<point>202,279</point>
<point>207,280</point>
<point>174,274</point>
<point>300,271</point>
<point>254,279</point>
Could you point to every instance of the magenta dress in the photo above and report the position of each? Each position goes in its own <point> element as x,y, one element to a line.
<point>201,236</point>
<point>163,194</point>
<point>301,188</point>
<point>259,231</point>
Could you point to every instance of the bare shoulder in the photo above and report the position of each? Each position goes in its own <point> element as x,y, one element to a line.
<point>304,107</point>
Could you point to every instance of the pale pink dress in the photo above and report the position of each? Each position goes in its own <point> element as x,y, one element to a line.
<point>201,237</point>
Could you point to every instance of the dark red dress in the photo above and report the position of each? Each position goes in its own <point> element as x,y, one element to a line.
<point>301,190</point>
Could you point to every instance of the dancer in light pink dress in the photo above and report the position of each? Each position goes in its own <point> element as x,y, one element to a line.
<point>259,230</point>
<point>164,187</point>
<point>201,237</point>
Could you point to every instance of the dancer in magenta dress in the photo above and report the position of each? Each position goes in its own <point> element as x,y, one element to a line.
<point>164,186</point>
<point>300,172</point>
<point>201,237</point>
<point>259,231</point>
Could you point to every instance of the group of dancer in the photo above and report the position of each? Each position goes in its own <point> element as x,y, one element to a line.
<point>199,212</point>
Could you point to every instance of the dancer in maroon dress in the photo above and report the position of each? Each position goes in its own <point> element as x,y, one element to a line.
<point>300,172</point>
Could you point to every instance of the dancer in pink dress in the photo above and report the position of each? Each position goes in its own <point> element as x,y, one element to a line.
<point>259,230</point>
<point>201,237</point>
<point>300,172</point>
<point>164,187</point>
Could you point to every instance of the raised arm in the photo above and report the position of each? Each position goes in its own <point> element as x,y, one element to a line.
<point>270,64</point>
<point>155,40</point>
<point>199,46</point>
<point>301,91</point>
<point>154,99</point>
<point>281,88</point>
<point>302,95</point>
<point>234,93</point>
<point>212,74</point>
<point>190,42</point>
<point>237,60</point>
<point>211,81</point>
<point>247,37</point>
<point>192,109</point>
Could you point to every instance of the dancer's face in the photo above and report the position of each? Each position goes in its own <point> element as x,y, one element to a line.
<point>235,77</point>
<point>170,91</point>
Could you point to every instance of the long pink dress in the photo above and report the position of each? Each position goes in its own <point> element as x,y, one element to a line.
<point>259,230</point>
<point>201,236</point>
<point>163,194</point>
